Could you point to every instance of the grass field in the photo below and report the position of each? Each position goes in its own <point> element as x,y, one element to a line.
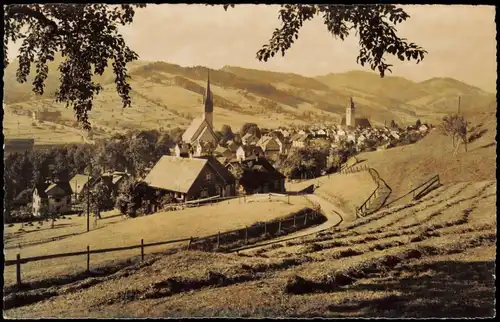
<point>431,258</point>
<point>191,222</point>
<point>406,167</point>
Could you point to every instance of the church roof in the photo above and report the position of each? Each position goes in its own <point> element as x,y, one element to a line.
<point>188,136</point>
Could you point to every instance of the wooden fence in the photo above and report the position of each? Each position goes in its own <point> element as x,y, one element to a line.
<point>366,208</point>
<point>427,186</point>
<point>254,233</point>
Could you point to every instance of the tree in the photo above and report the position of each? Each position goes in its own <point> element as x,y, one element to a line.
<point>100,197</point>
<point>418,123</point>
<point>250,128</point>
<point>393,124</point>
<point>226,133</point>
<point>87,36</point>
<point>237,139</point>
<point>457,127</point>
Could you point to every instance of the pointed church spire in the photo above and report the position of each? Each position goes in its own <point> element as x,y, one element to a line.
<point>352,103</point>
<point>208,103</point>
<point>207,99</point>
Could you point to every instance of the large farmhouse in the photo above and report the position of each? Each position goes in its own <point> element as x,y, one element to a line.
<point>191,178</point>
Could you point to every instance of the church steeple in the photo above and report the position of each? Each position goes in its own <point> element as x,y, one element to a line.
<point>350,118</point>
<point>208,103</point>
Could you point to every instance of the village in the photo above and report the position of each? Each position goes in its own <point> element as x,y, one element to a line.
<point>203,166</point>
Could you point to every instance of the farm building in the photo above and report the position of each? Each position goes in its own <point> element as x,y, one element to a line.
<point>191,178</point>
<point>257,175</point>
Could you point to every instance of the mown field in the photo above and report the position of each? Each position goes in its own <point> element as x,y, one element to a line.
<point>429,258</point>
<point>116,232</point>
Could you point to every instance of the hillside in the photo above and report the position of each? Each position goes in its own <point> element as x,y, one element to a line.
<point>166,95</point>
<point>406,167</point>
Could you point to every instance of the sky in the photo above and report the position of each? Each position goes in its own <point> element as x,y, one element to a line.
<point>460,40</point>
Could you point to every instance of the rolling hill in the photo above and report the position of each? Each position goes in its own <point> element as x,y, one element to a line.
<point>166,96</point>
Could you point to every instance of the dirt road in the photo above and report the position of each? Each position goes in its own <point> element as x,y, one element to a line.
<point>334,218</point>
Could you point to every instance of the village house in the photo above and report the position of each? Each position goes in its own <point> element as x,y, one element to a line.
<point>257,176</point>
<point>232,146</point>
<point>423,128</point>
<point>46,115</point>
<point>222,151</point>
<point>56,197</point>
<point>285,133</point>
<point>272,147</point>
<point>249,139</point>
<point>320,133</point>
<point>299,141</point>
<point>245,152</point>
<point>114,180</point>
<point>184,150</point>
<point>191,178</point>
<point>78,185</point>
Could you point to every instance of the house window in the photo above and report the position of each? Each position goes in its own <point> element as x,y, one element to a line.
<point>204,193</point>
<point>217,190</point>
<point>208,177</point>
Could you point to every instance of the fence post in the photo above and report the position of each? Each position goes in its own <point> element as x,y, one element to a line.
<point>218,239</point>
<point>142,250</point>
<point>279,226</point>
<point>88,258</point>
<point>246,235</point>
<point>18,269</point>
<point>305,219</point>
<point>265,228</point>
<point>269,197</point>
<point>294,221</point>
<point>189,243</point>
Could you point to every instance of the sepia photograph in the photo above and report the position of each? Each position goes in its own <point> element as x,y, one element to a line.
<point>249,160</point>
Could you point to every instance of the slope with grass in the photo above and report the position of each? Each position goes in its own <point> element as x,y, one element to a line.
<point>168,95</point>
<point>439,262</point>
<point>406,167</point>
<point>173,225</point>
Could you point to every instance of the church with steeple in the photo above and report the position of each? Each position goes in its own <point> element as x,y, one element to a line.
<point>351,121</point>
<point>200,134</point>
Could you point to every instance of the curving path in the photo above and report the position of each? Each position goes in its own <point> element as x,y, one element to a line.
<point>334,218</point>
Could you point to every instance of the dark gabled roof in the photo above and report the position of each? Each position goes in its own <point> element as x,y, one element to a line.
<point>40,188</point>
<point>65,186</point>
<point>220,169</point>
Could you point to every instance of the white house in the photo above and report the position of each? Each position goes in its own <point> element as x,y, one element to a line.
<point>56,197</point>
<point>423,128</point>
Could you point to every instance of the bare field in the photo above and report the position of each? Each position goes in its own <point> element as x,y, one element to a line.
<point>431,258</point>
<point>191,222</point>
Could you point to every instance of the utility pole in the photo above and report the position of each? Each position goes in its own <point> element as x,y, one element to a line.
<point>88,198</point>
<point>459,105</point>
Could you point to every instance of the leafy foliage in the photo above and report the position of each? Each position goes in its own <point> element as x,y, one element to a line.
<point>457,127</point>
<point>250,128</point>
<point>374,24</point>
<point>87,37</point>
